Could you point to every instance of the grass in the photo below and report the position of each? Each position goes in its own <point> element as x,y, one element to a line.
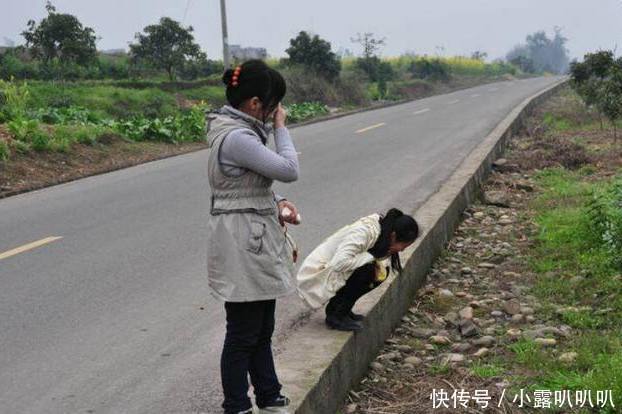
<point>487,370</point>
<point>104,101</point>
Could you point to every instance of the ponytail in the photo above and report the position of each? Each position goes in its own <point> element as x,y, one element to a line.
<point>406,230</point>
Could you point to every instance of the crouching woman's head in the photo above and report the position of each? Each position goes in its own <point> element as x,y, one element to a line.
<point>397,232</point>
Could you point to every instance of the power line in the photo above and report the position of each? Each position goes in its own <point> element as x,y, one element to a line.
<point>188,2</point>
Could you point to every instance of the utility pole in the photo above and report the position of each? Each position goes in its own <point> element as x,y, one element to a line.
<point>225,40</point>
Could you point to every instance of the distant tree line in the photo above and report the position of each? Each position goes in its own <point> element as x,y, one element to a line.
<point>59,46</point>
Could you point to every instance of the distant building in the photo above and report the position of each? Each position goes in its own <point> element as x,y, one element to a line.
<point>240,54</point>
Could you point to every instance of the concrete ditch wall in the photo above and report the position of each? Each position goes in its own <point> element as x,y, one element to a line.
<point>320,366</point>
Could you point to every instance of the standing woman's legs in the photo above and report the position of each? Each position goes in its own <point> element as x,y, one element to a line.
<point>262,371</point>
<point>245,322</point>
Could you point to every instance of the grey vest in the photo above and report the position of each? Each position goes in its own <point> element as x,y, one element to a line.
<point>249,258</point>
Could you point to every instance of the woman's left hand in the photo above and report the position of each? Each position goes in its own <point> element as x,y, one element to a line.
<point>292,215</point>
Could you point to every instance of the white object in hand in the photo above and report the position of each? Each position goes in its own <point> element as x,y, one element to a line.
<point>286,212</point>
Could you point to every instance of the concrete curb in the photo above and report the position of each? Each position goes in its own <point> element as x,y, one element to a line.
<point>319,366</point>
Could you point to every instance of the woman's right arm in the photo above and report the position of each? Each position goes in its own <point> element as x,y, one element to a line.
<point>242,148</point>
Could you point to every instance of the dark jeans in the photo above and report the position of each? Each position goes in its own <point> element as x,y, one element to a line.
<point>361,282</point>
<point>248,350</point>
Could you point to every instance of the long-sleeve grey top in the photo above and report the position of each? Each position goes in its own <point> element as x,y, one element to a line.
<point>242,150</point>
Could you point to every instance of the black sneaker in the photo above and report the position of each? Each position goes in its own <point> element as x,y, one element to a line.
<point>343,323</point>
<point>278,406</point>
<point>355,316</point>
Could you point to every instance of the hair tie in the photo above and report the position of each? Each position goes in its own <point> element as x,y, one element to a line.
<point>236,76</point>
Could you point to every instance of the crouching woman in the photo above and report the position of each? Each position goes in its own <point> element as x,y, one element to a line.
<point>351,263</point>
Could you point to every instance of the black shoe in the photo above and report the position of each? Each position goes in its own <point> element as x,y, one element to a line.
<point>355,316</point>
<point>278,406</point>
<point>343,323</point>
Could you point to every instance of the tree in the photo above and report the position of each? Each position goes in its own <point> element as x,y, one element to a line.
<point>539,53</point>
<point>598,80</point>
<point>61,37</point>
<point>315,54</point>
<point>167,46</point>
<point>371,45</point>
<point>479,55</point>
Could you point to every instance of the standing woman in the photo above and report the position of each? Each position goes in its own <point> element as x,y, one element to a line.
<point>249,258</point>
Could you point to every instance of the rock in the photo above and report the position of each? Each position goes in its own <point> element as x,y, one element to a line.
<point>404,348</point>
<point>496,313</point>
<point>526,311</point>
<point>524,187</point>
<point>440,340</point>
<point>479,215</point>
<point>518,318</point>
<point>485,341</point>
<point>452,318</point>
<point>466,270</point>
<point>568,357</point>
<point>351,408</point>
<point>511,274</point>
<point>405,319</point>
<point>485,265</point>
<point>376,366</point>
<point>545,341</point>
<point>445,293</point>
<point>481,352</point>
<point>499,163</point>
<point>390,356</point>
<point>468,328</point>
<point>505,221</point>
<point>513,333</point>
<point>453,358</point>
<point>530,318</point>
<point>541,332</point>
<point>429,347</point>
<point>497,198</point>
<point>413,360</point>
<point>461,347</point>
<point>461,294</point>
<point>511,307</point>
<point>422,333</point>
<point>466,313</point>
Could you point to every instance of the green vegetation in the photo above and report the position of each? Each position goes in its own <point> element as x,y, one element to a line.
<point>598,80</point>
<point>578,265</point>
<point>304,111</point>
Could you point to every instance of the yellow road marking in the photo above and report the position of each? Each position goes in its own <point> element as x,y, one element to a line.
<point>29,246</point>
<point>370,127</point>
<point>422,111</point>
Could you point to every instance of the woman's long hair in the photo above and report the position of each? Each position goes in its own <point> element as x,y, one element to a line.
<point>406,230</point>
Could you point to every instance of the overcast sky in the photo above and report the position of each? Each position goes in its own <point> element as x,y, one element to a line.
<point>458,26</point>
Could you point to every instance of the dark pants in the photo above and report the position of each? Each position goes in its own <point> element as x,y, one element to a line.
<point>361,282</point>
<point>248,350</point>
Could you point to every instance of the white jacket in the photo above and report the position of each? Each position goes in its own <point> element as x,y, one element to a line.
<point>329,266</point>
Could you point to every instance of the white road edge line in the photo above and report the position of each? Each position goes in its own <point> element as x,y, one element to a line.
<point>29,246</point>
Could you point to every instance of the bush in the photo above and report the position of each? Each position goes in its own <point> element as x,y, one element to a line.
<point>306,110</point>
<point>303,86</point>
<point>14,99</point>
<point>4,151</point>
<point>430,69</point>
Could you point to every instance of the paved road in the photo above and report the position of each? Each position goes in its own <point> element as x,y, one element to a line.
<point>115,316</point>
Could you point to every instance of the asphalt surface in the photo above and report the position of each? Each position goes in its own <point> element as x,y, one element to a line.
<point>115,316</point>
